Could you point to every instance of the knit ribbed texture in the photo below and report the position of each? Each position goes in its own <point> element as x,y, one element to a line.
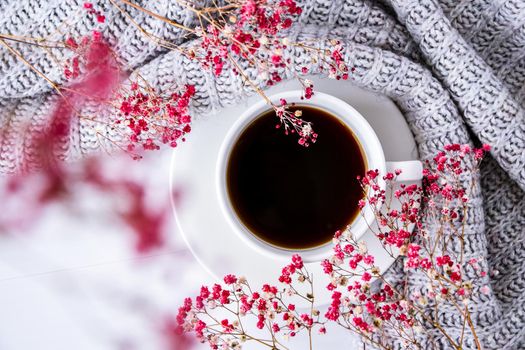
<point>456,69</point>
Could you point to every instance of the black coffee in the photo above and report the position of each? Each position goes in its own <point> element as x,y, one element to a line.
<point>292,196</point>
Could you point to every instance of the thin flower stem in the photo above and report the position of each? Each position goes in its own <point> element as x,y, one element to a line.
<point>239,334</point>
<point>33,68</point>
<point>29,41</point>
<point>463,328</point>
<point>38,72</point>
<point>160,41</point>
<point>462,237</point>
<point>199,13</point>
<point>220,8</point>
<point>157,16</point>
<point>311,309</point>
<point>367,337</point>
<point>249,81</point>
<point>468,318</point>
<point>473,330</point>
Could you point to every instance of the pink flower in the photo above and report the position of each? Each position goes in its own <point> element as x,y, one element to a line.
<point>327,266</point>
<point>333,310</point>
<point>269,289</point>
<point>366,277</point>
<point>199,302</point>
<point>260,322</point>
<point>200,326</point>
<point>297,261</point>
<point>285,277</point>
<point>388,176</point>
<point>443,260</point>
<point>183,311</point>
<point>485,290</point>
<point>413,250</point>
<point>227,326</point>
<point>230,279</point>
<point>224,298</point>
<point>360,323</point>
<point>276,59</point>
<point>216,291</point>
<point>97,36</point>
<point>308,321</point>
<point>455,276</point>
<point>368,259</point>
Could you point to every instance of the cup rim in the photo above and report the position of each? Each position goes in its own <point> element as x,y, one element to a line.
<point>358,125</point>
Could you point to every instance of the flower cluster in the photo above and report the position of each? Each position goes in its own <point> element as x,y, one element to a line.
<point>247,38</point>
<point>83,48</point>
<point>269,308</point>
<point>393,222</point>
<point>86,53</point>
<point>427,250</point>
<point>362,299</point>
<point>153,118</point>
<point>144,116</point>
<point>249,33</point>
<point>254,36</point>
<point>361,308</point>
<point>330,60</point>
<point>292,123</point>
<point>97,14</point>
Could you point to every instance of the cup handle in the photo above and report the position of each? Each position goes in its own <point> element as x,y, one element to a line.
<point>411,170</point>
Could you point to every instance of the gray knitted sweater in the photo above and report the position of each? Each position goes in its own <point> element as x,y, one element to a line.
<point>455,68</point>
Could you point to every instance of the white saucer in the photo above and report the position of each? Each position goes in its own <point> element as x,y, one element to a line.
<point>200,220</point>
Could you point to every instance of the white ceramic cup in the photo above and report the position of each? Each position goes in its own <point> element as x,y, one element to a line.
<point>374,156</point>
